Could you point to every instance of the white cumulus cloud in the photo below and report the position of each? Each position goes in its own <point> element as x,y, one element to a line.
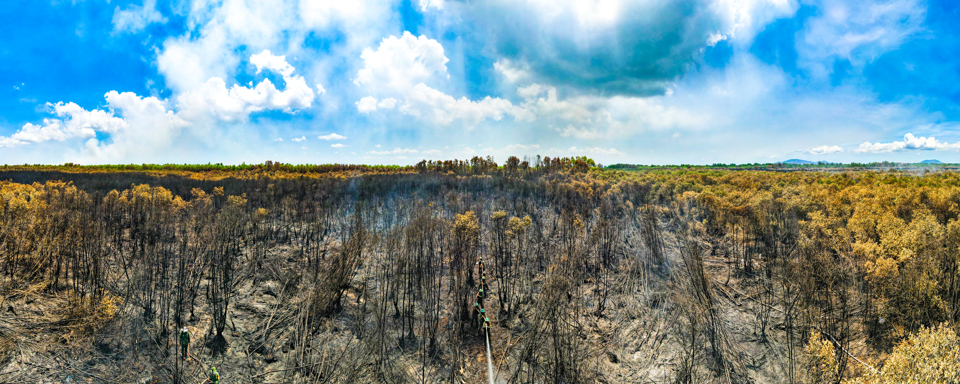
<point>237,102</point>
<point>141,128</point>
<point>150,129</point>
<point>72,122</point>
<point>442,109</point>
<point>217,33</point>
<point>367,104</point>
<point>387,103</point>
<point>338,145</point>
<point>299,139</point>
<point>826,150</point>
<point>401,67</point>
<point>6,142</point>
<point>266,60</point>
<point>351,14</point>
<point>332,136</point>
<point>425,5</point>
<point>399,63</point>
<point>909,143</point>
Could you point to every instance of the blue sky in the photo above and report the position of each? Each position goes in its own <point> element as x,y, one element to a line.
<point>393,82</point>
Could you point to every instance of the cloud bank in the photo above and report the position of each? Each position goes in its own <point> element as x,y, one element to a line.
<point>142,126</point>
<point>909,143</point>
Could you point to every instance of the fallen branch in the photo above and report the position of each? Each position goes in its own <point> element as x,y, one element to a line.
<point>78,370</point>
<point>285,369</point>
<point>834,340</point>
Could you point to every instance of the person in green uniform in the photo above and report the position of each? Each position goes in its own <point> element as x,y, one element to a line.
<point>184,342</point>
<point>214,376</point>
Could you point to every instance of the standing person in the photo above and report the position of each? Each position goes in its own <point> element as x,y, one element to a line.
<point>214,375</point>
<point>184,342</point>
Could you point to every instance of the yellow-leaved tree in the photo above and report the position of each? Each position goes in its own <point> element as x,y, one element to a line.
<point>929,356</point>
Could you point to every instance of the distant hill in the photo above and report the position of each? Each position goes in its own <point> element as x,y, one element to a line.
<point>799,161</point>
<point>932,161</point>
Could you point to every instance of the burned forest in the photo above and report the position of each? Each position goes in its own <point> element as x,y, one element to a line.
<point>584,274</point>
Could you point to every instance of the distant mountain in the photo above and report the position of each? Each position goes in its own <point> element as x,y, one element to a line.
<point>932,161</point>
<point>799,162</point>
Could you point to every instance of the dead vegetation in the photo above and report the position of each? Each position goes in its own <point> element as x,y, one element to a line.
<point>592,276</point>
